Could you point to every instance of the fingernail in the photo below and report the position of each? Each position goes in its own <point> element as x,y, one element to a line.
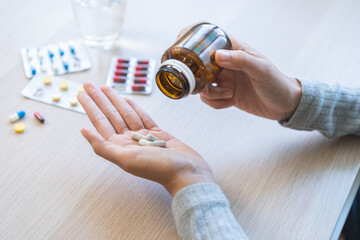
<point>222,55</point>
<point>227,94</point>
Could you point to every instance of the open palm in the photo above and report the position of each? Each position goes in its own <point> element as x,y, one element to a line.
<point>114,118</point>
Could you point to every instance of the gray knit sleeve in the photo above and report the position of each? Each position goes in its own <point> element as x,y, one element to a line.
<point>331,109</point>
<point>201,211</point>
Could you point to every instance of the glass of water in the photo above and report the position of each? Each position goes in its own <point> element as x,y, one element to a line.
<point>99,21</point>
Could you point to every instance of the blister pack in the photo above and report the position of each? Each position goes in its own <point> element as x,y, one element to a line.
<point>131,75</point>
<point>54,90</point>
<point>55,59</point>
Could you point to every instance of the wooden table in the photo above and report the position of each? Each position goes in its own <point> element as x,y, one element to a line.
<point>281,184</point>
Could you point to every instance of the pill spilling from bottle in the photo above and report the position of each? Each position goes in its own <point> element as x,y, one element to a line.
<point>148,140</point>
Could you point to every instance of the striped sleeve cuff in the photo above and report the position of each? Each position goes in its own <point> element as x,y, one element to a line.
<point>331,109</point>
<point>201,211</point>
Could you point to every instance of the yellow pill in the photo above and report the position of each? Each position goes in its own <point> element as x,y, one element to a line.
<point>64,85</point>
<point>47,80</point>
<point>73,102</point>
<point>81,89</point>
<point>56,97</point>
<point>19,127</point>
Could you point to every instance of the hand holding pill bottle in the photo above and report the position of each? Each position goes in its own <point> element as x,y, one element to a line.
<point>128,137</point>
<point>250,82</point>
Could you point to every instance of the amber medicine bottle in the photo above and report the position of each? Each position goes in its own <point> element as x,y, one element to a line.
<point>189,64</point>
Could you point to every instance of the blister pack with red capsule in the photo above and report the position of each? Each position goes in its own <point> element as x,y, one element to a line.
<point>131,75</point>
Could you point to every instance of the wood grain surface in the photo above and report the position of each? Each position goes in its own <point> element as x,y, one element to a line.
<point>281,183</point>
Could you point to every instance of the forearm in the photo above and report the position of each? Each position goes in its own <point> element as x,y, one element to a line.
<point>201,211</point>
<point>331,109</point>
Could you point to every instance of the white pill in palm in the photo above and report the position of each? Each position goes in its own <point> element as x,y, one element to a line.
<point>137,136</point>
<point>151,137</point>
<point>157,143</point>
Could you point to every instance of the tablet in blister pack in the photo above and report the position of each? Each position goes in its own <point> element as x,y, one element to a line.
<point>56,91</point>
<point>131,75</point>
<point>55,59</point>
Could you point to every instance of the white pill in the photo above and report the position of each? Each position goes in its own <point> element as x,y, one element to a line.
<point>40,54</point>
<point>55,67</point>
<point>151,137</point>
<point>43,68</point>
<point>137,136</point>
<point>157,143</point>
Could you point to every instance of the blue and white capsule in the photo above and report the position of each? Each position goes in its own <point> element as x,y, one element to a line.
<point>16,116</point>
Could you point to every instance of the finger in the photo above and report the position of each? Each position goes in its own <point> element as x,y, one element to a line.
<point>98,119</point>
<point>130,117</point>
<point>106,107</point>
<point>103,148</point>
<point>212,93</point>
<point>145,117</point>
<point>242,61</point>
<point>218,104</point>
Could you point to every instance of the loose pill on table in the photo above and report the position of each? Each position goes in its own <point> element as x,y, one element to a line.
<point>81,89</point>
<point>56,97</point>
<point>39,117</point>
<point>137,136</point>
<point>64,85</point>
<point>138,88</point>
<point>151,137</point>
<point>16,116</point>
<point>73,102</point>
<point>47,80</point>
<point>19,127</point>
<point>157,143</point>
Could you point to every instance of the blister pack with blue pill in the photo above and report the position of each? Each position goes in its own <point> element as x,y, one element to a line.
<point>55,59</point>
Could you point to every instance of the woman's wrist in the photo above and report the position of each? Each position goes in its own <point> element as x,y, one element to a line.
<point>294,96</point>
<point>186,179</point>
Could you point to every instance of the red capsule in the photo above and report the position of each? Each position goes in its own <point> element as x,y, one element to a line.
<point>119,79</point>
<point>122,66</point>
<point>39,117</point>
<point>121,60</point>
<point>138,88</point>
<point>141,67</point>
<point>140,74</point>
<point>143,62</point>
<point>140,80</point>
<point>121,73</point>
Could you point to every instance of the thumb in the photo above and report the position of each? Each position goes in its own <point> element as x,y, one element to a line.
<point>238,60</point>
<point>102,147</point>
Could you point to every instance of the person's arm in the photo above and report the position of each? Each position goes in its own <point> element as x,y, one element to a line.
<point>252,83</point>
<point>201,211</point>
<point>331,109</point>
